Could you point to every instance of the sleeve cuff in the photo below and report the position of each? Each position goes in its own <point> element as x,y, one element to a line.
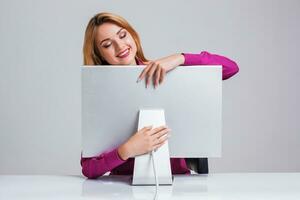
<point>191,59</point>
<point>113,159</point>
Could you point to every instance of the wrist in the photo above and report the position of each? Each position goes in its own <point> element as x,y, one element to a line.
<point>123,152</point>
<point>181,58</point>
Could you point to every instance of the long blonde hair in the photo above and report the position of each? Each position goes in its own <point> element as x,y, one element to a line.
<point>91,54</point>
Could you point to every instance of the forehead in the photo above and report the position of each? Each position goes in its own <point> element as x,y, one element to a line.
<point>107,30</point>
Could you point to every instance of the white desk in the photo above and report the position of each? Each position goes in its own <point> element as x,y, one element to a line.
<point>283,186</point>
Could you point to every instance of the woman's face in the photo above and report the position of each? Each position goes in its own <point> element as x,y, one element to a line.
<point>116,44</point>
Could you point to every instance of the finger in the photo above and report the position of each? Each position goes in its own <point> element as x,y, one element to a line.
<point>160,134</point>
<point>161,139</point>
<point>152,70</point>
<point>146,76</point>
<point>162,76</point>
<point>144,72</point>
<point>157,146</point>
<point>157,77</point>
<point>150,73</point>
<point>145,128</point>
<point>157,129</point>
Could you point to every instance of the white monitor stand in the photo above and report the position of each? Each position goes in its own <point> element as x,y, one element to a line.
<point>143,173</point>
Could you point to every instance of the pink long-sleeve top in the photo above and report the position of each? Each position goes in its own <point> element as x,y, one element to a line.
<point>110,160</point>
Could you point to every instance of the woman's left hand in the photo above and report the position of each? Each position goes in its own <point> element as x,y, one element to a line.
<point>157,69</point>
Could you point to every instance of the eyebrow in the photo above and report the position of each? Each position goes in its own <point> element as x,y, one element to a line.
<point>109,38</point>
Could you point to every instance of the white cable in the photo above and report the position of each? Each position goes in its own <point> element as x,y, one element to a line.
<point>155,174</point>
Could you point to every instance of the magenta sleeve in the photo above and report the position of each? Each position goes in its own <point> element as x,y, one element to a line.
<point>94,167</point>
<point>229,67</point>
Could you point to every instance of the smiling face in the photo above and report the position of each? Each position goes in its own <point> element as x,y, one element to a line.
<point>115,44</point>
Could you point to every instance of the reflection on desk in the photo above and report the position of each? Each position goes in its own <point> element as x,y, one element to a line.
<point>212,186</point>
<point>117,187</point>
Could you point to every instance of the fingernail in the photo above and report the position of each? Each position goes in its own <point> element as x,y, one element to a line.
<point>138,80</point>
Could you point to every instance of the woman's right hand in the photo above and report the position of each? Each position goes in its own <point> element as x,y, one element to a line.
<point>144,141</point>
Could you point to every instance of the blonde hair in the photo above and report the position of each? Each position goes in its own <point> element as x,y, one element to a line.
<point>91,54</point>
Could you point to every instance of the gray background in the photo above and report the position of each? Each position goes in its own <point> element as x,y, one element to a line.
<point>40,55</point>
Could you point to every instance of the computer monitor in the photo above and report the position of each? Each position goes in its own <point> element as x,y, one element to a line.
<point>189,101</point>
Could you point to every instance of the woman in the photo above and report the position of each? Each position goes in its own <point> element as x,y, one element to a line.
<point>110,40</point>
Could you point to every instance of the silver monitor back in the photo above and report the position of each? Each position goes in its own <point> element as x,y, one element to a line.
<point>191,97</point>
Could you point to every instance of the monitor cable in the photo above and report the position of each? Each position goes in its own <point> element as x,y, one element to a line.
<point>155,174</point>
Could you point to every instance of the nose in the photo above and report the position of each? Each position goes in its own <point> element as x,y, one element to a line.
<point>120,45</point>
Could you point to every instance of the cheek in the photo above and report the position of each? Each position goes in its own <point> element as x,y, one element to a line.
<point>132,44</point>
<point>129,40</point>
<point>108,53</point>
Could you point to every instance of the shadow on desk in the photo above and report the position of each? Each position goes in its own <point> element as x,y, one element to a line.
<point>119,187</point>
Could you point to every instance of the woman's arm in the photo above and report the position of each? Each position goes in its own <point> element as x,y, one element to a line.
<point>157,69</point>
<point>230,67</point>
<point>141,142</point>
<point>94,167</point>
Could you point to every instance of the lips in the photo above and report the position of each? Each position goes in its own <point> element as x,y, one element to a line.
<point>124,53</point>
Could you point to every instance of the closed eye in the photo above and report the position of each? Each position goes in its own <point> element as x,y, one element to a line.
<point>122,35</point>
<point>107,45</point>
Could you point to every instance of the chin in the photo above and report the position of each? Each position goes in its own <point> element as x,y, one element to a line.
<point>127,61</point>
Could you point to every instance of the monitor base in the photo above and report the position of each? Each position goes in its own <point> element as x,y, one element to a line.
<point>143,173</point>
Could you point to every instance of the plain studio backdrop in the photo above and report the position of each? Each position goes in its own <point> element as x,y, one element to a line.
<point>41,53</point>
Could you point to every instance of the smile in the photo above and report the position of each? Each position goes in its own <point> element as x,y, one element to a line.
<point>124,53</point>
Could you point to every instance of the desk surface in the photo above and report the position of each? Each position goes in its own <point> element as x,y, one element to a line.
<point>213,186</point>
